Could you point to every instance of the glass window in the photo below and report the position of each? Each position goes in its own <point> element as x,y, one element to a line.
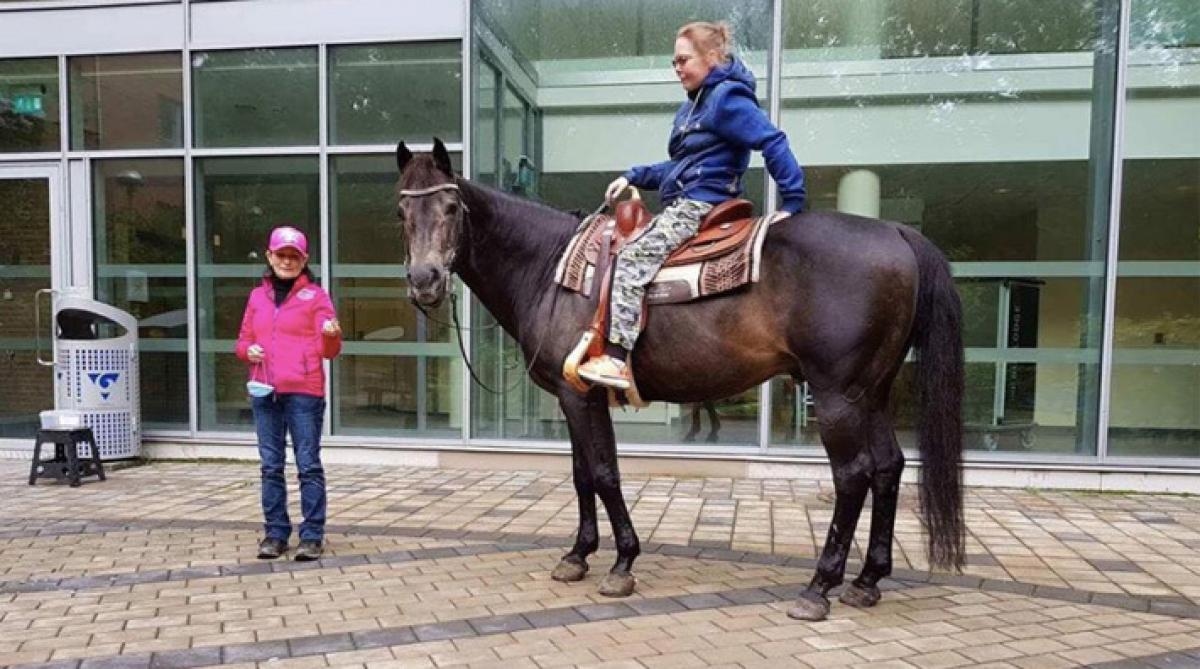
<point>1155,410</point>
<point>127,101</point>
<point>973,122</point>
<point>577,36</point>
<point>604,101</point>
<point>486,130</point>
<point>399,372</point>
<point>139,245</point>
<point>256,97</point>
<point>29,105</point>
<point>382,93</point>
<point>25,225</point>
<point>238,202</point>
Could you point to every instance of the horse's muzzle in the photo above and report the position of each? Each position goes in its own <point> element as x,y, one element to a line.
<point>427,285</point>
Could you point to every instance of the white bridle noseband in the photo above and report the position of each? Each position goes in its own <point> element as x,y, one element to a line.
<point>421,192</point>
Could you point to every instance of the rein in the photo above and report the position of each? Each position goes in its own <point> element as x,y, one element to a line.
<point>462,349</point>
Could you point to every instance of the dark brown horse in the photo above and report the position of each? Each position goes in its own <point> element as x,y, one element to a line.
<point>840,302</point>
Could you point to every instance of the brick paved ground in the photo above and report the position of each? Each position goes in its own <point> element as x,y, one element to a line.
<point>430,567</point>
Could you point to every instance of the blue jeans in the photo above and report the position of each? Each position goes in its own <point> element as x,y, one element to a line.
<point>302,416</point>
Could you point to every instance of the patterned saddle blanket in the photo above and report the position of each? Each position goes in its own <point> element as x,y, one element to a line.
<point>724,255</point>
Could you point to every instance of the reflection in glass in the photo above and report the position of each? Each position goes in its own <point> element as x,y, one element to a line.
<point>399,371</point>
<point>126,102</point>
<point>29,105</point>
<point>256,97</point>
<point>1155,410</point>
<point>486,122</point>
<point>605,101</point>
<point>140,254</point>
<point>942,115</point>
<point>383,93</point>
<point>238,201</point>
<point>24,269</point>
<point>631,34</point>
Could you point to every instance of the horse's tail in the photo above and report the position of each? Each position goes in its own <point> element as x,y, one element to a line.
<point>937,342</point>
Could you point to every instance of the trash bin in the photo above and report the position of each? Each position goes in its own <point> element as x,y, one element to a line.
<point>97,373</point>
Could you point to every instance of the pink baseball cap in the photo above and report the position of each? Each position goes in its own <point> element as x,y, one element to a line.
<point>285,236</point>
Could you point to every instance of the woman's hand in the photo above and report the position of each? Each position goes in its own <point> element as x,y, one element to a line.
<point>332,328</point>
<point>255,353</point>
<point>615,189</point>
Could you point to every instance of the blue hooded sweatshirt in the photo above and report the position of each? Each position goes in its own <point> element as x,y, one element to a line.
<point>711,139</point>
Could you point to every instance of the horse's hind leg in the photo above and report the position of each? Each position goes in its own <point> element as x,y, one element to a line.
<point>714,422</point>
<point>695,429</point>
<point>845,443</point>
<point>574,566</point>
<point>885,492</point>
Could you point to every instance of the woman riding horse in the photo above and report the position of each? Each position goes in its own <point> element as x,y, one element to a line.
<point>710,143</point>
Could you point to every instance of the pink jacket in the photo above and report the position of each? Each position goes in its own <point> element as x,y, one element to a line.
<point>290,336</point>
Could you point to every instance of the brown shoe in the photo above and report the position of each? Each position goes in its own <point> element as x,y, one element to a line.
<point>606,371</point>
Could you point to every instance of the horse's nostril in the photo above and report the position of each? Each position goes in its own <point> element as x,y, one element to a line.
<point>422,275</point>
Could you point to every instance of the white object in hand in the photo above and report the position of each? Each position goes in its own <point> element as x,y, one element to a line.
<point>255,351</point>
<point>329,326</point>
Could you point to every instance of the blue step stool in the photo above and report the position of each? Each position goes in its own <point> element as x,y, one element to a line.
<point>66,464</point>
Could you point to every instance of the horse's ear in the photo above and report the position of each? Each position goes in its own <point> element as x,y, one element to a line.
<point>441,157</point>
<point>403,155</point>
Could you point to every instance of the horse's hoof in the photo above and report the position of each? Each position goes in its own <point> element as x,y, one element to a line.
<point>863,598</point>
<point>811,610</point>
<point>569,570</point>
<point>618,584</point>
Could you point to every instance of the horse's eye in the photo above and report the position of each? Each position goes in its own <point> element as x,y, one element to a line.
<point>400,213</point>
<point>452,209</point>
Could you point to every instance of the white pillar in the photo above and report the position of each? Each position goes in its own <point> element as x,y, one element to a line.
<point>858,193</point>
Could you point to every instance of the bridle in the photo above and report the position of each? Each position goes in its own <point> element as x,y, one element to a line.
<point>458,328</point>
<point>422,192</point>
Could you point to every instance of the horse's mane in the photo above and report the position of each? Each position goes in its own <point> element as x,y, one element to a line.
<point>541,229</point>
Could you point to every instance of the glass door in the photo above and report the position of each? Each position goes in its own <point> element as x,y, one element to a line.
<point>29,269</point>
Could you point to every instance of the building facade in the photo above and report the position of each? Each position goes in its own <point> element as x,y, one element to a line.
<point>1051,149</point>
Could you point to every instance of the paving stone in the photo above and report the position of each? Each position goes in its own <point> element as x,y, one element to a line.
<point>749,596</point>
<point>446,630</point>
<point>554,617</point>
<point>595,612</point>
<point>395,636</point>
<point>319,645</point>
<point>1121,601</point>
<point>499,624</point>
<point>254,652</point>
<point>703,601</point>
<point>141,661</point>
<point>185,659</point>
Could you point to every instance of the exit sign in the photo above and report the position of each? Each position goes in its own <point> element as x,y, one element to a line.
<point>27,105</point>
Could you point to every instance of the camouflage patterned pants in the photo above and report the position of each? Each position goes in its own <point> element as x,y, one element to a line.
<point>641,259</point>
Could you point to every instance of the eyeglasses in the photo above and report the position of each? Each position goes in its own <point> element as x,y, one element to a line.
<point>679,61</point>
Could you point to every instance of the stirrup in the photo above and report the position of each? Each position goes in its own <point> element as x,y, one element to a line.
<point>606,371</point>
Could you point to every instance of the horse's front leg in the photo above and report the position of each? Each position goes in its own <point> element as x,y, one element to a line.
<point>592,431</point>
<point>573,566</point>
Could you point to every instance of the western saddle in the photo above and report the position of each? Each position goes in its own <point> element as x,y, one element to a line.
<point>724,228</point>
